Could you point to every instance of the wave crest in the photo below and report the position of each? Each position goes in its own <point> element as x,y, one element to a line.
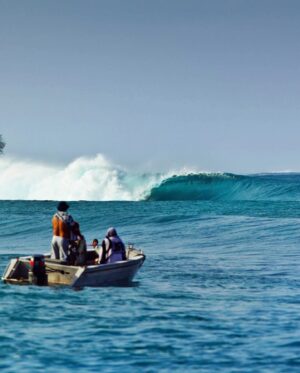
<point>97,179</point>
<point>195,187</point>
<point>228,187</point>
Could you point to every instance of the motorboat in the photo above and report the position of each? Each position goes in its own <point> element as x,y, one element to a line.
<point>42,270</point>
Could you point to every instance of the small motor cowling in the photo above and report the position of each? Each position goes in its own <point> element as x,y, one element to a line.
<point>37,272</point>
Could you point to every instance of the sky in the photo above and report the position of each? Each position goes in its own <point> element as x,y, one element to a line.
<point>152,84</point>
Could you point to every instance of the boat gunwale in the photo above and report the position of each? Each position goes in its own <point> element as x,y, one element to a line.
<point>116,265</point>
<point>103,267</point>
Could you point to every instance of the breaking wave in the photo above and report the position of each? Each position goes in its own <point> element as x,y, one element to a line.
<point>97,179</point>
<point>86,178</point>
<point>267,187</point>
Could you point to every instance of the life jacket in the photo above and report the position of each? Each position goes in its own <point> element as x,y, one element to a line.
<point>61,223</point>
<point>115,249</point>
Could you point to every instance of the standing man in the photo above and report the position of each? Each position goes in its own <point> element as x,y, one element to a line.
<point>61,223</point>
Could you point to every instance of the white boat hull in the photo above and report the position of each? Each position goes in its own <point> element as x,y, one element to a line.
<point>117,273</point>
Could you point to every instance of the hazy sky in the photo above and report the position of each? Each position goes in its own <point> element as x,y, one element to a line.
<point>153,84</point>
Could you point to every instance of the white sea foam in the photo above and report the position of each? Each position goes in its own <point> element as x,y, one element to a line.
<point>85,178</point>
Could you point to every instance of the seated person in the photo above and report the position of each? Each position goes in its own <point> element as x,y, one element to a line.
<point>113,248</point>
<point>98,250</point>
<point>95,243</point>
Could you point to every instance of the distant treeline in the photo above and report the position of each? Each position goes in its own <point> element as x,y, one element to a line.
<point>2,144</point>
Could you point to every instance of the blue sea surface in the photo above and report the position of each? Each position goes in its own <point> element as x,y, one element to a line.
<point>218,292</point>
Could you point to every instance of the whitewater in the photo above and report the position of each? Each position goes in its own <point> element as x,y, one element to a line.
<point>85,178</point>
<point>97,179</point>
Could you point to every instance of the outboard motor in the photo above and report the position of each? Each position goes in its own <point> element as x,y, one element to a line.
<point>37,272</point>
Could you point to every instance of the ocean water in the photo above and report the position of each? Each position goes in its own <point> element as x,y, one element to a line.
<point>218,292</point>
